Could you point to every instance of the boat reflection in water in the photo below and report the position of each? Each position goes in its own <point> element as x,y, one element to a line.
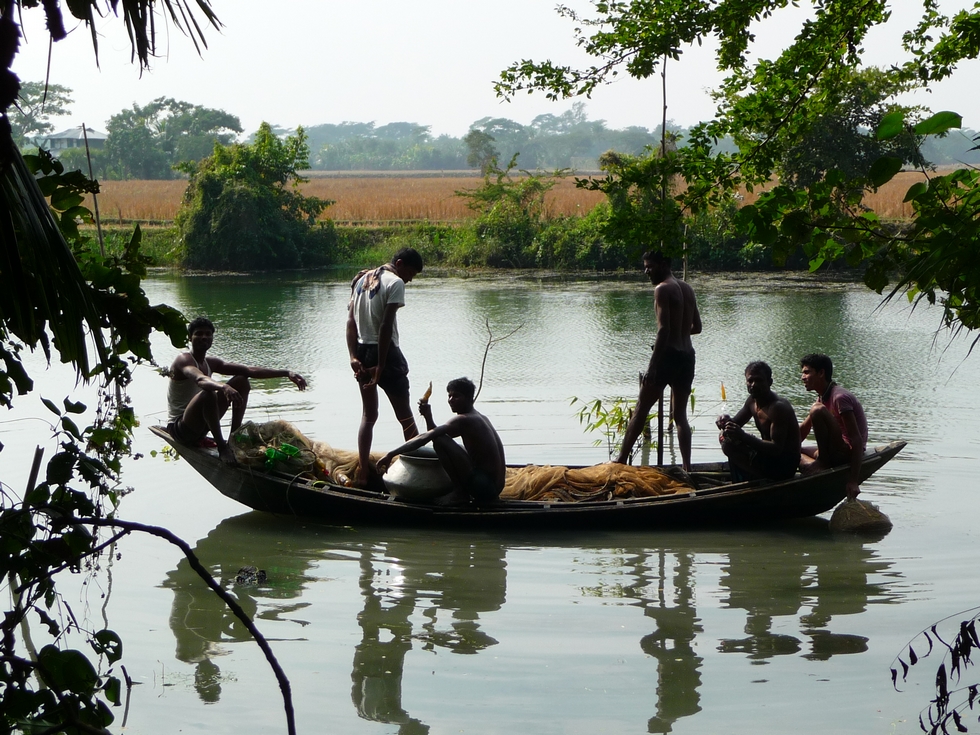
<point>427,591</point>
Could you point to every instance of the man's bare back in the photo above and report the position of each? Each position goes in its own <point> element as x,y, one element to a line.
<point>478,468</point>
<point>672,361</point>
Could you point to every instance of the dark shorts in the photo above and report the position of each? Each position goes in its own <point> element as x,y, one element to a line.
<point>394,378</point>
<point>769,468</point>
<point>676,368</point>
<point>481,488</point>
<point>178,431</point>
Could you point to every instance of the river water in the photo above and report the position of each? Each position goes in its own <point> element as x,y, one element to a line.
<point>780,629</point>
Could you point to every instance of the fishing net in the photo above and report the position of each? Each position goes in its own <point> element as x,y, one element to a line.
<point>858,516</point>
<point>600,482</point>
<point>280,446</point>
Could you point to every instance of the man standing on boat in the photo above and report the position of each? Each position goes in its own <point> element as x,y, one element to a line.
<point>672,362</point>
<point>196,402</point>
<point>372,342</point>
<point>477,469</point>
<point>775,453</point>
<point>837,420</point>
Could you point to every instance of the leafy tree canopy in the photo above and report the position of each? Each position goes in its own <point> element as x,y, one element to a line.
<point>145,142</point>
<point>770,106</point>
<point>36,104</point>
<point>92,311</point>
<point>242,209</point>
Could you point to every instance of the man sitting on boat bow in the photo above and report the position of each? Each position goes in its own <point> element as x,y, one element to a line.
<point>775,454</point>
<point>837,420</point>
<point>196,402</point>
<point>477,469</point>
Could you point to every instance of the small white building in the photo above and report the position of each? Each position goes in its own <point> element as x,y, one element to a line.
<point>71,138</point>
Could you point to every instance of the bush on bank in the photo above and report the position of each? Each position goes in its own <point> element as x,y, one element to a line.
<point>563,243</point>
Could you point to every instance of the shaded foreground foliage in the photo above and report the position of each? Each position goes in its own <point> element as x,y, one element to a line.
<point>947,712</point>
<point>62,296</point>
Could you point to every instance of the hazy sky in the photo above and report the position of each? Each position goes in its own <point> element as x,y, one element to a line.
<point>433,62</point>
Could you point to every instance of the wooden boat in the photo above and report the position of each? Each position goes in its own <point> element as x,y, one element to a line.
<point>716,501</point>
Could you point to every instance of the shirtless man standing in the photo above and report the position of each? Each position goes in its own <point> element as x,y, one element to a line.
<point>196,401</point>
<point>837,420</point>
<point>775,454</point>
<point>672,362</point>
<point>477,468</point>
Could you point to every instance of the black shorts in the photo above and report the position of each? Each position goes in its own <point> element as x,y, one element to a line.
<point>177,430</point>
<point>676,368</point>
<point>481,488</point>
<point>394,378</point>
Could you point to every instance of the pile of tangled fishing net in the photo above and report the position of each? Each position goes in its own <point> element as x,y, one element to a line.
<point>610,481</point>
<point>280,446</point>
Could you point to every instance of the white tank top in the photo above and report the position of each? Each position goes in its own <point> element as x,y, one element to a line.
<point>180,392</point>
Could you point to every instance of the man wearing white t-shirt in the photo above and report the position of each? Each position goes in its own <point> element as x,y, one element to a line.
<point>372,341</point>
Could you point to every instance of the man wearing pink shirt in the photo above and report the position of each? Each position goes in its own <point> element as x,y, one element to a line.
<point>837,420</point>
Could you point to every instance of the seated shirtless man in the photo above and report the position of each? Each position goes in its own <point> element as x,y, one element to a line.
<point>775,453</point>
<point>196,402</point>
<point>477,468</point>
<point>837,420</point>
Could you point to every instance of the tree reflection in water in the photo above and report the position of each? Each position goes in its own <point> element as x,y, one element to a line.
<point>200,621</point>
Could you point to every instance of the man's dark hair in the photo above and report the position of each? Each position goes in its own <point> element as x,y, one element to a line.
<point>197,323</point>
<point>462,385</point>
<point>409,256</point>
<point>656,256</point>
<point>818,361</point>
<point>759,365</point>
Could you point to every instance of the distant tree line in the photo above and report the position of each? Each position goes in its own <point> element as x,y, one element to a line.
<point>149,141</point>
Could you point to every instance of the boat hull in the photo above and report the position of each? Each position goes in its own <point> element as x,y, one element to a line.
<point>724,504</point>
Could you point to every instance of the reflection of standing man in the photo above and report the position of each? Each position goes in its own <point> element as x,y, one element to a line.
<point>672,362</point>
<point>372,341</point>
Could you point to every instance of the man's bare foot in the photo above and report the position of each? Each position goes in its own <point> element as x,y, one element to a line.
<point>226,455</point>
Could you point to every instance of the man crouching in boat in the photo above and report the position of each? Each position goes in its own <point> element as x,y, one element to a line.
<point>196,402</point>
<point>477,469</point>
<point>775,454</point>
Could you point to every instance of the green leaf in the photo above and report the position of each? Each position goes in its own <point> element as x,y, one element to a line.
<point>939,123</point>
<point>891,125</point>
<point>73,407</point>
<point>63,198</point>
<point>71,427</point>
<point>67,671</point>
<point>917,189</point>
<point>113,690</point>
<point>108,644</point>
<point>51,407</point>
<point>60,466</point>
<point>884,169</point>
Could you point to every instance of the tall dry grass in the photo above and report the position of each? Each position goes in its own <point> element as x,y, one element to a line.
<point>400,198</point>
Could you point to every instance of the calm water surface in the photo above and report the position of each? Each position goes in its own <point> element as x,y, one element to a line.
<point>781,629</point>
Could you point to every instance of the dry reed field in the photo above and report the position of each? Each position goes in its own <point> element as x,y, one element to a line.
<point>358,198</point>
<point>374,199</point>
